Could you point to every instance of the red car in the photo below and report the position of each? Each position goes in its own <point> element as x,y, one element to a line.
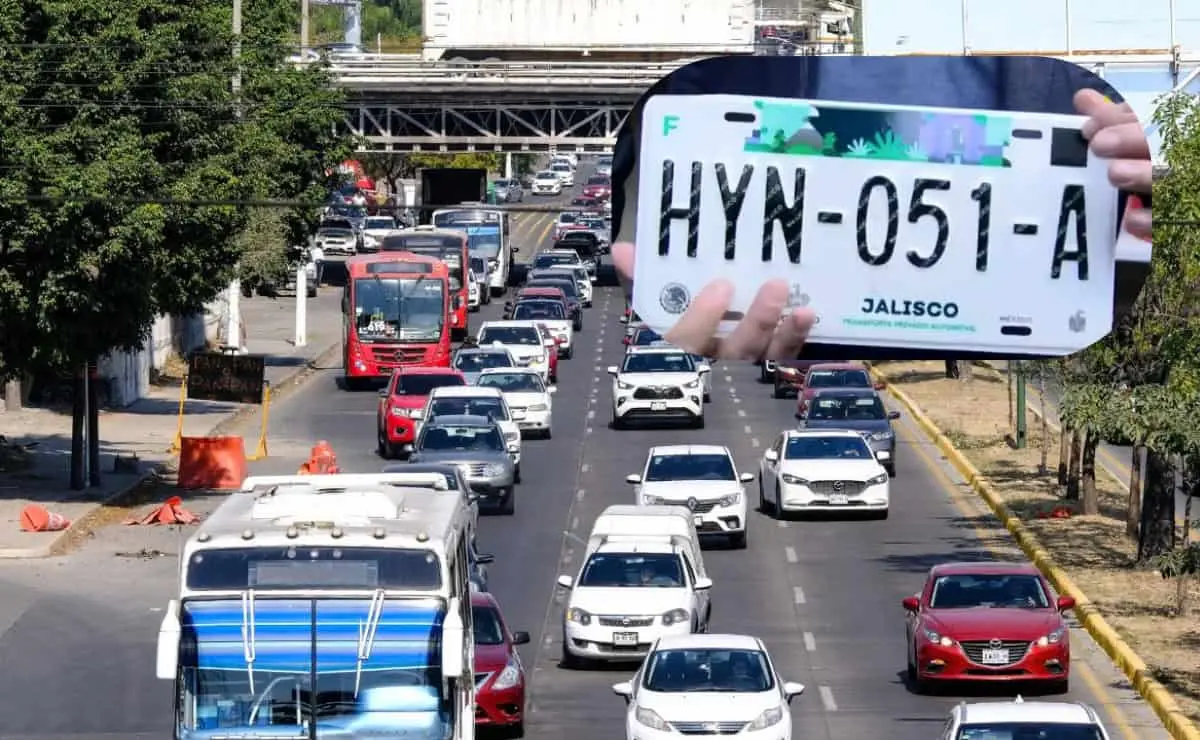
<point>406,391</point>
<point>788,375</point>
<point>499,675</point>
<point>598,187</point>
<point>987,622</point>
<point>831,375</point>
<point>548,339</point>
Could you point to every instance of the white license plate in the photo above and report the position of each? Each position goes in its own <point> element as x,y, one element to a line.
<point>839,499</point>
<point>995,657</point>
<point>518,414</point>
<point>658,406</point>
<point>698,520</point>
<point>902,226</point>
<point>625,639</point>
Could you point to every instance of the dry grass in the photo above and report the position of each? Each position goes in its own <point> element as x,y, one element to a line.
<point>1094,550</point>
<point>173,370</point>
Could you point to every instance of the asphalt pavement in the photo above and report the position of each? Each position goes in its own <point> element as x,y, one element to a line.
<point>77,634</point>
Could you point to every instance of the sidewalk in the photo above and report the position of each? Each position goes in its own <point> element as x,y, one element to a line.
<point>141,434</point>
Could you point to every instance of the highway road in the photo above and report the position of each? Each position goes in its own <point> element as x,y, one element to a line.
<point>77,634</point>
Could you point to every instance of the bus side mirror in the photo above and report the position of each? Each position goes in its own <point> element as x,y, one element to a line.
<point>167,658</point>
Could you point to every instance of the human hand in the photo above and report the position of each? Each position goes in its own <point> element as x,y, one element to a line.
<point>761,334</point>
<point>1114,133</point>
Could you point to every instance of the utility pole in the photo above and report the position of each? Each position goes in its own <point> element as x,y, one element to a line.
<point>78,428</point>
<point>304,30</point>
<point>93,424</point>
<point>1022,435</point>
<point>233,298</point>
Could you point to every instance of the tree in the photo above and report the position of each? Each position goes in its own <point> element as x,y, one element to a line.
<point>114,121</point>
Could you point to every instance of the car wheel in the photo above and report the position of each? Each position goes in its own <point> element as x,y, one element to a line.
<point>738,540</point>
<point>569,661</point>
<point>1060,686</point>
<point>762,498</point>
<point>508,505</point>
<point>707,397</point>
<point>891,470</point>
<point>569,353</point>
<point>382,447</point>
<point>778,392</point>
<point>517,475</point>
<point>548,434</point>
<point>777,502</point>
<point>617,422</point>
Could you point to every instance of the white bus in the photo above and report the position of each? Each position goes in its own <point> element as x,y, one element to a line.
<point>325,606</point>
<point>487,237</point>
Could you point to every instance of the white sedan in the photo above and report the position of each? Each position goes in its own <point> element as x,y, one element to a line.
<point>823,470</point>
<point>708,685</point>
<point>547,183</point>
<point>528,397</point>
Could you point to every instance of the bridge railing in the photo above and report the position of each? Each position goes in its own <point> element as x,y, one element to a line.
<point>390,70</point>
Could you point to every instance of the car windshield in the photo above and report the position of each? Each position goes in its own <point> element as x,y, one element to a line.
<point>473,362</point>
<point>526,336</point>
<point>512,382</point>
<point>568,287</point>
<point>838,379</point>
<point>1028,731</point>
<point>560,167</point>
<point>598,180</point>
<point>827,448</point>
<point>333,233</point>
<point>379,222</point>
<point>420,384</point>
<point>705,466</point>
<point>399,309</point>
<point>544,175</point>
<point>461,439</point>
<point>1002,591</point>
<point>479,265</point>
<point>542,261</point>
<point>487,626</point>
<point>632,570</point>
<point>488,406</point>
<point>709,669</point>
<point>658,362</point>
<point>646,337</point>
<point>539,310</point>
<point>568,218</point>
<point>847,408</point>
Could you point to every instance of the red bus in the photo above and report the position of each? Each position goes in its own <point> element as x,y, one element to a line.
<point>395,310</point>
<point>450,247</point>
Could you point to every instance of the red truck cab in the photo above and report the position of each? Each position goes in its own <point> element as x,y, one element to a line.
<point>407,391</point>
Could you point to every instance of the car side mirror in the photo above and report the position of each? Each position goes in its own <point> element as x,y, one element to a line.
<point>485,558</point>
<point>624,319</point>
<point>633,480</point>
<point>514,449</point>
<point>703,584</point>
<point>746,477</point>
<point>552,389</point>
<point>514,250</point>
<point>623,690</point>
<point>521,638</point>
<point>893,415</point>
<point>911,604</point>
<point>612,370</point>
<point>1066,603</point>
<point>702,369</point>
<point>771,456</point>
<point>791,690</point>
<point>880,386</point>
<point>566,582</point>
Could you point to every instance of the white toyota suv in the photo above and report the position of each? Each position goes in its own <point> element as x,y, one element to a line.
<point>823,470</point>
<point>522,340</point>
<point>702,478</point>
<point>1021,719</point>
<point>630,593</point>
<point>654,383</point>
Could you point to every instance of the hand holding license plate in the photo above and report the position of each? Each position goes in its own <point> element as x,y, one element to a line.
<point>901,226</point>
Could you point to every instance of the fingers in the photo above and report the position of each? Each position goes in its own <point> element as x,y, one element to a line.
<point>1121,141</point>
<point>791,335</point>
<point>622,259</point>
<point>1138,221</point>
<point>753,334</point>
<point>1102,112</point>
<point>695,330</point>
<point>1113,132</point>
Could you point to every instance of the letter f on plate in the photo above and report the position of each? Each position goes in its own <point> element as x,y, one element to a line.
<point>670,123</point>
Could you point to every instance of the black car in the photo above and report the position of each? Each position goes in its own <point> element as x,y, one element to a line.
<point>860,410</point>
<point>570,289</point>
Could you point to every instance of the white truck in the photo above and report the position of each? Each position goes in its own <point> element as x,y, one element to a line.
<point>563,30</point>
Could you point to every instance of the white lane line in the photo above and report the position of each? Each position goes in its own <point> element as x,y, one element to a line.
<point>747,429</point>
<point>797,595</point>
<point>728,378</point>
<point>790,552</point>
<point>588,430</point>
<point>782,524</point>
<point>827,698</point>
<point>580,494</point>
<point>584,468</point>
<point>575,524</point>
<point>591,413</point>
<point>742,412</point>
<point>736,399</point>
<point>754,441</point>
<point>810,642</point>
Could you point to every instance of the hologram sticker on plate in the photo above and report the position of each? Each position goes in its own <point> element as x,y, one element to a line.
<point>907,227</point>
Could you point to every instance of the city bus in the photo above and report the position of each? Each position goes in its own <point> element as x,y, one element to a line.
<point>486,237</point>
<point>395,311</point>
<point>325,606</point>
<point>450,247</point>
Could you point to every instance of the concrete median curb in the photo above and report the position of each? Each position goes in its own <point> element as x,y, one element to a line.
<point>82,527</point>
<point>1176,722</point>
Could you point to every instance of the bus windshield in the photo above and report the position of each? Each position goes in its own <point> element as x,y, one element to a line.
<point>399,309</point>
<point>484,241</point>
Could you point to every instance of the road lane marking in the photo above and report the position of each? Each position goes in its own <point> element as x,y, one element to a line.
<point>827,698</point>
<point>591,414</point>
<point>584,468</point>
<point>588,430</point>
<point>747,429</point>
<point>728,378</point>
<point>782,524</point>
<point>790,552</point>
<point>754,441</point>
<point>575,523</point>
<point>742,412</point>
<point>580,494</point>
<point>810,642</point>
<point>797,595</point>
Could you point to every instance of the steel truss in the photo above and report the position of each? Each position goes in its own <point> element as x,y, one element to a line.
<point>490,127</point>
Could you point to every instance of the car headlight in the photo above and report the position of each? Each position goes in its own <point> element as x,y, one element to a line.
<point>676,616</point>
<point>794,480</point>
<point>493,469</point>
<point>732,499</point>
<point>880,436</point>
<point>769,718</point>
<point>651,500</point>
<point>938,639</point>
<point>539,407</point>
<point>692,383</point>
<point>511,436</point>
<point>397,411</point>
<point>493,264</point>
<point>509,677</point>
<point>1053,638</point>
<point>650,718</point>
<point>881,478</point>
<point>579,616</point>
<point>623,386</point>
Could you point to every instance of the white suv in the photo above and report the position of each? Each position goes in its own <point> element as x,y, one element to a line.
<point>1020,719</point>
<point>471,400</point>
<point>702,478</point>
<point>523,341</point>
<point>654,383</point>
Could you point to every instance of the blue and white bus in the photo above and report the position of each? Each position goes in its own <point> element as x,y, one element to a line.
<point>486,237</point>
<point>322,607</point>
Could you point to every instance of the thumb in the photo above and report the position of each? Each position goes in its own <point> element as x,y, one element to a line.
<point>622,259</point>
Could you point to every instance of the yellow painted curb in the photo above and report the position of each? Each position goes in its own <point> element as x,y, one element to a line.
<point>1135,669</point>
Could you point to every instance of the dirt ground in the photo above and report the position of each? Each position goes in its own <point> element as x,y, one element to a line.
<point>1094,550</point>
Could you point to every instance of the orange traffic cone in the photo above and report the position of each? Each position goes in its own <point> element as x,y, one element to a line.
<point>171,512</point>
<point>321,461</point>
<point>36,518</point>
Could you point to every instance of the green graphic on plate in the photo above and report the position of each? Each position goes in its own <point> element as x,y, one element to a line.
<point>801,129</point>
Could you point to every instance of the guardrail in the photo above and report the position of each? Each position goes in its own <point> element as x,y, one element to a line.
<point>379,71</point>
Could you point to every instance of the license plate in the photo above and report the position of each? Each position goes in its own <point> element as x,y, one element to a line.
<point>698,520</point>
<point>625,639</point>
<point>518,414</point>
<point>995,657</point>
<point>658,406</point>
<point>839,499</point>
<point>867,202</point>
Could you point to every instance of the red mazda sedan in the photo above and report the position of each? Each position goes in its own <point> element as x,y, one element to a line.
<point>987,622</point>
<point>499,675</point>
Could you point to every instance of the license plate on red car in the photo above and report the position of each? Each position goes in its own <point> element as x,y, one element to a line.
<point>995,657</point>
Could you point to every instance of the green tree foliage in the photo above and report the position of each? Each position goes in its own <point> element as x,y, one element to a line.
<point>394,23</point>
<point>114,120</point>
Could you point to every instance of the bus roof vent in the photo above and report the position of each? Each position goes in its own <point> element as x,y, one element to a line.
<point>345,507</point>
